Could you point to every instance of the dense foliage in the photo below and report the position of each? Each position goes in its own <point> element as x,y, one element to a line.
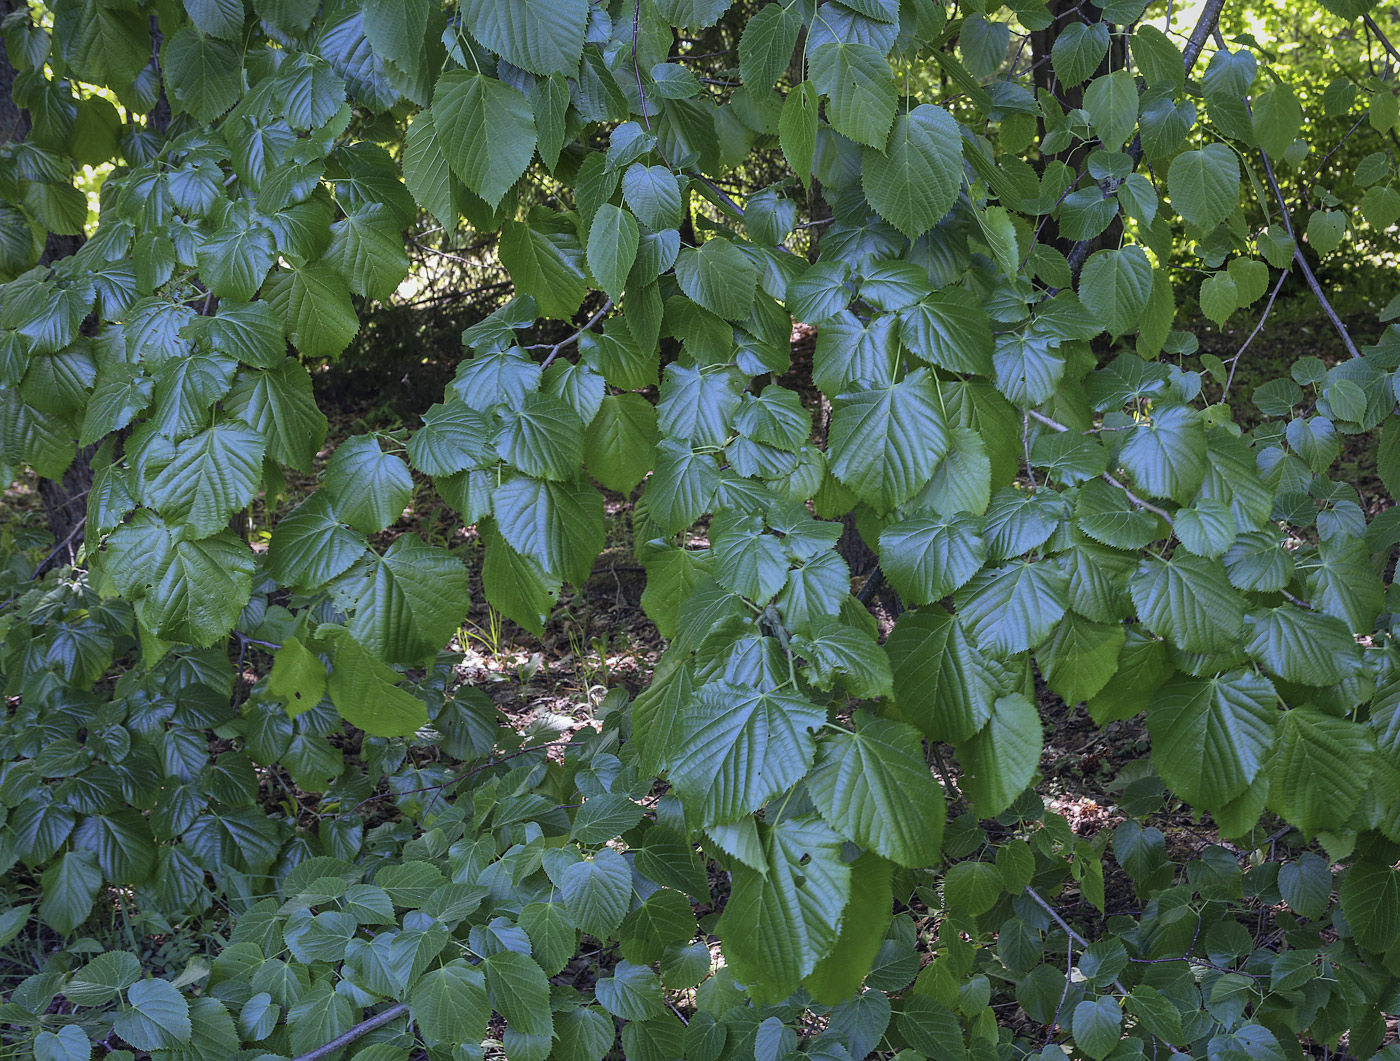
<point>992,244</point>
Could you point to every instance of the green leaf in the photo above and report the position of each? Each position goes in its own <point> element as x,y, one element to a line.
<point>859,87</point>
<point>1300,646</point>
<point>69,887</point>
<point>298,677</point>
<point>547,264</point>
<point>797,129</point>
<point>553,935</point>
<point>925,559</point>
<point>558,525</point>
<point>449,1004</point>
<point>1306,885</point>
<point>1319,769</point>
<point>278,404</point>
<point>1277,117</point>
<point>834,648</point>
<point>950,330</point>
<point>1371,901</point>
<point>914,180</point>
<point>1157,1014</point>
<point>940,681</point>
<point>485,128</point>
<point>519,991</point>
<point>217,18</point>
<point>718,276</point>
<point>766,46</point>
<point>542,437</point>
<point>1097,1026</point>
<point>633,992</point>
<point>597,892</point>
<point>777,926</point>
<point>1080,657</point>
<point>99,981</point>
<point>314,300</point>
<point>1112,103</point>
<point>1188,601</point>
<point>370,488</point>
<point>1204,184</point>
<point>1212,736</point>
<point>748,560</point>
<point>1013,607</point>
<point>367,248</point>
<point>541,36</point>
<point>212,475</point>
<point>1158,57</point>
<point>157,1017</point>
<point>454,437</point>
<point>1115,287</point>
<point>1002,758</point>
<point>763,739</point>
<point>612,248</point>
<point>873,786</point>
<point>885,442</point>
<point>863,923</point>
<point>426,171</point>
<point>1078,50</point>
<point>67,1044</point>
<point>932,1028</point>
<point>189,591</point>
<point>665,919</point>
<point>515,585</point>
<point>653,195</point>
<point>692,14</point>
<point>311,546</point>
<point>972,887</point>
<point>202,74</point>
<point>1166,457</point>
<point>365,692</point>
<point>413,600</point>
<point>234,261</point>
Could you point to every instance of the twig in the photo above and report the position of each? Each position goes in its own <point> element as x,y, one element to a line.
<point>636,68</point>
<point>1268,307</point>
<point>1205,26</point>
<point>1385,41</point>
<point>43,564</point>
<point>1075,936</point>
<point>1302,261</point>
<point>244,639</point>
<point>554,350</point>
<point>1146,506</point>
<point>344,1039</point>
<point>725,200</point>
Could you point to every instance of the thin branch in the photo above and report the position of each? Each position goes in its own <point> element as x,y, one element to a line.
<point>725,201</point>
<point>636,68</point>
<point>1302,261</point>
<point>1205,27</point>
<point>1084,943</point>
<point>343,1040</point>
<point>1268,307</point>
<point>1385,41</point>
<point>1146,506</point>
<point>554,350</point>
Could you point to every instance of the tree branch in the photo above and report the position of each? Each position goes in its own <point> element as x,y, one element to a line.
<point>343,1040</point>
<point>554,350</point>
<point>1303,261</point>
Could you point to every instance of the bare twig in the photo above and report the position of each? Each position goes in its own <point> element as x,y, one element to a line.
<point>1302,261</point>
<point>1054,914</point>
<point>343,1040</point>
<point>1268,307</point>
<point>1146,506</point>
<point>557,347</point>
